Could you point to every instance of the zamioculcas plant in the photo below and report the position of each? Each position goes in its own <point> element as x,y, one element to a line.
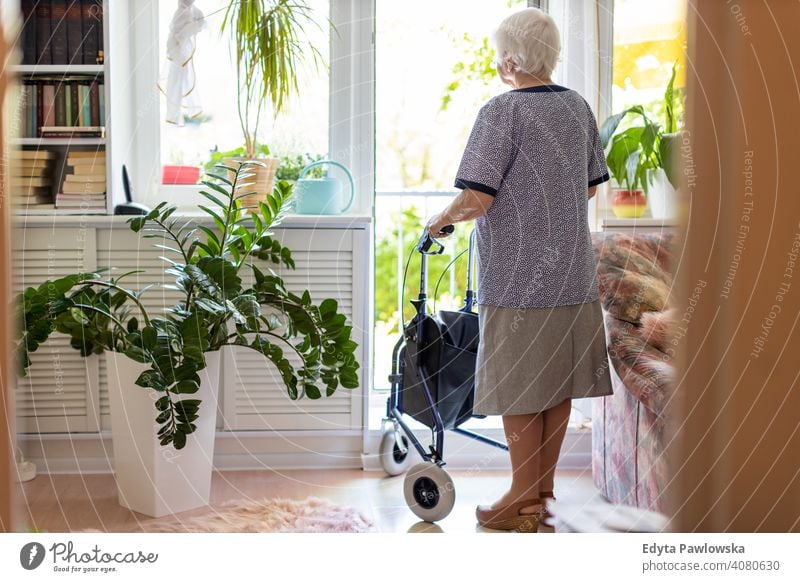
<point>309,343</point>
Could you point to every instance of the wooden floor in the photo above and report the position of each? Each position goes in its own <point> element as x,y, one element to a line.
<point>61,503</point>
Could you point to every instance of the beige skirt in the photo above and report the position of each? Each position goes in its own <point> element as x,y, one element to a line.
<point>530,360</point>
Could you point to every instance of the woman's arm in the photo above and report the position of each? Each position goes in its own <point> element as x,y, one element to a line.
<point>592,191</point>
<point>468,205</point>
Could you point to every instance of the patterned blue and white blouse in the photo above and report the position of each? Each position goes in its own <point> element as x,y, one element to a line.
<point>536,150</point>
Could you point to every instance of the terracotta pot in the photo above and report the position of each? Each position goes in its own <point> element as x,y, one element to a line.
<point>172,174</point>
<point>262,183</point>
<point>629,203</point>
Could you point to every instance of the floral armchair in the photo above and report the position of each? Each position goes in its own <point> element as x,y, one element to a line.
<point>634,277</point>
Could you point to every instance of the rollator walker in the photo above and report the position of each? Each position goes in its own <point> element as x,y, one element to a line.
<point>433,382</point>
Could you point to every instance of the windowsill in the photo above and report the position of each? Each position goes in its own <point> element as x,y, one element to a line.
<point>50,218</point>
<point>607,219</point>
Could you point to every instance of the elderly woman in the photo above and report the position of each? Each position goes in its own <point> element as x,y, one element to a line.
<point>531,164</point>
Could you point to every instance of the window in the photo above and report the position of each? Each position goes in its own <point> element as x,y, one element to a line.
<point>302,129</point>
<point>649,38</point>
<point>433,73</point>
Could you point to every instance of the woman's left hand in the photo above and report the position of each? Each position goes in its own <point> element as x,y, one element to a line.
<point>436,224</point>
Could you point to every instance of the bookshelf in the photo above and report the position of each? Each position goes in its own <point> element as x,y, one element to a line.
<point>114,74</point>
<point>71,69</point>
<point>58,141</point>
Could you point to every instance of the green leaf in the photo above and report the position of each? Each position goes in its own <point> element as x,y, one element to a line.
<point>610,125</point>
<point>79,316</point>
<point>151,379</point>
<point>313,392</point>
<point>149,337</point>
<point>162,403</point>
<point>669,145</point>
<point>179,440</point>
<point>137,354</point>
<point>186,387</point>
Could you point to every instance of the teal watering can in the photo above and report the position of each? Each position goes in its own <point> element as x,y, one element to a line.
<point>322,195</point>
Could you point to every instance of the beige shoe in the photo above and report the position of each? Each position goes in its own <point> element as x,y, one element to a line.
<point>545,495</point>
<point>509,518</point>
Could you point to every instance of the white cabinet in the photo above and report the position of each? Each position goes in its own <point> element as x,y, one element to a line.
<point>254,396</point>
<point>67,393</point>
<point>60,391</point>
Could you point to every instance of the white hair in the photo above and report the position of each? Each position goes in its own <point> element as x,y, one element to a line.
<point>529,39</point>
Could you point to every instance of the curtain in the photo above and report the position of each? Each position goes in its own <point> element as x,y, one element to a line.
<point>580,66</point>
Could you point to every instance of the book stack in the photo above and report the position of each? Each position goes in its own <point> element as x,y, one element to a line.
<point>31,179</point>
<point>63,107</point>
<point>62,32</point>
<point>83,191</point>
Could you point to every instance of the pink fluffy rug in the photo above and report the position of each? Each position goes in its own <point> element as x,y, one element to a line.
<point>312,515</point>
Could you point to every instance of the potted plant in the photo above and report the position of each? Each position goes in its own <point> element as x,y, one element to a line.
<point>267,37</point>
<point>630,154</point>
<point>162,367</point>
<point>641,156</point>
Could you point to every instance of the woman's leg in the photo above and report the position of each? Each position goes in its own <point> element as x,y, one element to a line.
<point>554,428</point>
<point>524,437</point>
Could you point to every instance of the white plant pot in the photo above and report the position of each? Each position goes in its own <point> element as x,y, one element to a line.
<point>152,479</point>
<point>662,196</point>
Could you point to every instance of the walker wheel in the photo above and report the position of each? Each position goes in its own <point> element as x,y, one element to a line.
<point>394,459</point>
<point>429,492</point>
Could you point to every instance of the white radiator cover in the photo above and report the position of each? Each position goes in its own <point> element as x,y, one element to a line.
<point>65,393</point>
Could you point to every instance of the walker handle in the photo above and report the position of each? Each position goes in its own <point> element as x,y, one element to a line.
<point>426,241</point>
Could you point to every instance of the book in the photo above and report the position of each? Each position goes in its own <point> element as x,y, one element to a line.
<point>94,103</point>
<point>31,164</point>
<point>28,200</point>
<point>42,14</point>
<point>58,32</point>
<point>33,154</point>
<point>86,111</point>
<point>67,89</point>
<point>49,104</point>
<point>75,154</point>
<point>83,188</point>
<point>81,205</point>
<point>71,131</point>
<point>29,53</point>
<point>30,182</point>
<point>89,169</point>
<point>32,172</point>
<point>46,206</point>
<point>24,105</point>
<point>92,161</point>
<point>90,197</point>
<point>89,22</point>
<point>74,32</point>
<point>60,105</point>
<point>78,129</point>
<point>30,117</point>
<point>39,108</point>
<point>86,178</point>
<point>66,201</point>
<point>99,31</point>
<point>32,191</point>
<point>74,104</point>
<point>101,102</point>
